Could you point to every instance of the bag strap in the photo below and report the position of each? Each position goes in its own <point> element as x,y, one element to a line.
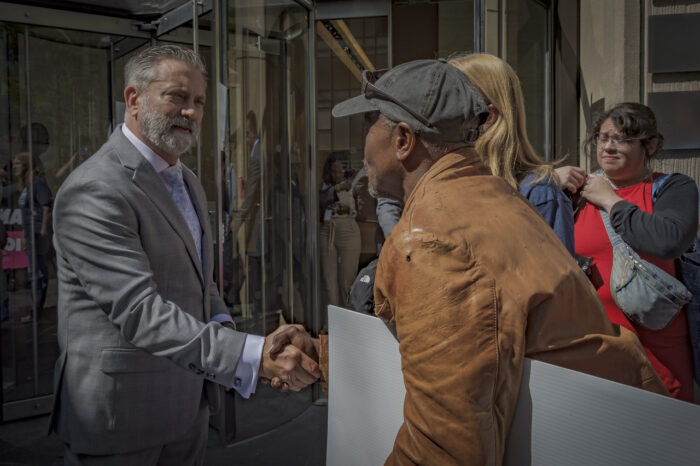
<point>615,239</point>
<point>657,184</point>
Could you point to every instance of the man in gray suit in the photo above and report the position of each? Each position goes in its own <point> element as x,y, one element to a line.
<point>140,320</point>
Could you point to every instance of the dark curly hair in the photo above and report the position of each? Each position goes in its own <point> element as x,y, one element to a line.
<point>337,156</point>
<point>634,120</point>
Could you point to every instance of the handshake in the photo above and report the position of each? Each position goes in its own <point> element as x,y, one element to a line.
<point>290,359</point>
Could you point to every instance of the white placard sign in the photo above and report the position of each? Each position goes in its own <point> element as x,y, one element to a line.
<point>366,390</point>
<point>562,417</point>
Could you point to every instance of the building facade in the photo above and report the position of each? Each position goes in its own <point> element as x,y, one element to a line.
<point>269,147</point>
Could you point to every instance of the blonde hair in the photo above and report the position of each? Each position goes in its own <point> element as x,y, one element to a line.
<point>504,146</point>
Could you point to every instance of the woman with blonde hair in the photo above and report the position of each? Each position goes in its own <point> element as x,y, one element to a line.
<point>504,146</point>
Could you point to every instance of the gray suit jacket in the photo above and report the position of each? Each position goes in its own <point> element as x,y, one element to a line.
<point>134,307</point>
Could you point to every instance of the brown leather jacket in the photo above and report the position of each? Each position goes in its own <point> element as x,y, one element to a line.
<point>475,281</point>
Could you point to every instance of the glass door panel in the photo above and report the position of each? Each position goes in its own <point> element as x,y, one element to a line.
<point>344,47</point>
<point>57,114</point>
<point>267,265</point>
<point>527,51</point>
<point>519,32</point>
<point>267,158</point>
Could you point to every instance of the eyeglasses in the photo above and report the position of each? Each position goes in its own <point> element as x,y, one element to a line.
<point>371,91</point>
<point>615,139</point>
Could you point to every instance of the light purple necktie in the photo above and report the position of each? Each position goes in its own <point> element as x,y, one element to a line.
<point>173,177</point>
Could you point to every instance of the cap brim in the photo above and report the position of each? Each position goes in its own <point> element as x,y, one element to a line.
<point>359,104</point>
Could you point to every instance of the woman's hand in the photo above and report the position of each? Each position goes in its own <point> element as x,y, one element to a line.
<point>571,178</point>
<point>598,191</point>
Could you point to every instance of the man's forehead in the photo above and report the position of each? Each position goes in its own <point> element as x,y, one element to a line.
<point>168,69</point>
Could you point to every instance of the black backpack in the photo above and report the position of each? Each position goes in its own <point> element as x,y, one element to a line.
<point>361,296</point>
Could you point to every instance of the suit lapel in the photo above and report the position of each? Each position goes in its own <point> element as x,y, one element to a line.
<point>200,205</point>
<point>146,178</point>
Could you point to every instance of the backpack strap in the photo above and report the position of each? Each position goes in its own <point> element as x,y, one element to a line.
<point>656,185</point>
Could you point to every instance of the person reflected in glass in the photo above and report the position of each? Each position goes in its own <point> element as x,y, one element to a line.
<point>4,299</point>
<point>249,213</point>
<point>623,140</point>
<point>233,273</point>
<point>76,159</point>
<point>40,144</point>
<point>5,213</point>
<point>340,235</point>
<point>35,202</point>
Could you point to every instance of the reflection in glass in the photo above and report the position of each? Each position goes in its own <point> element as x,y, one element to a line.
<point>340,239</point>
<point>347,217</point>
<point>267,276</point>
<point>34,200</point>
<point>526,50</point>
<point>54,115</point>
<point>265,280</point>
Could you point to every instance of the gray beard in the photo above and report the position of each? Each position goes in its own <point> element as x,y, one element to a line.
<point>376,193</point>
<point>158,129</point>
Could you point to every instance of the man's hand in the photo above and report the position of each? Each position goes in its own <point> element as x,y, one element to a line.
<point>296,336</point>
<point>571,178</point>
<point>290,367</point>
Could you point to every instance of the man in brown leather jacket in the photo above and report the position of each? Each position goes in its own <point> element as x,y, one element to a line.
<point>472,276</point>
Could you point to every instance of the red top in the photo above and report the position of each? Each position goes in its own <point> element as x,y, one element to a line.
<point>667,349</point>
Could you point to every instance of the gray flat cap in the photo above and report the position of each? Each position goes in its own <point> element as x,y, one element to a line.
<point>432,96</point>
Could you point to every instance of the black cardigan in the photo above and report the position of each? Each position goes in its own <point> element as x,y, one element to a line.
<point>670,230</point>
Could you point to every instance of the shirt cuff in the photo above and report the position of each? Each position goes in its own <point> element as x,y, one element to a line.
<point>221,318</point>
<point>246,376</point>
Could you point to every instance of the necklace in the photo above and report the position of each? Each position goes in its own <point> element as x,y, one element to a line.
<point>626,184</point>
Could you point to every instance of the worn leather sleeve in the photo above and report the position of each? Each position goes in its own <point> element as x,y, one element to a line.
<point>445,311</point>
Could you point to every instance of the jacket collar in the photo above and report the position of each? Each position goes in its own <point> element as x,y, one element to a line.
<point>467,160</point>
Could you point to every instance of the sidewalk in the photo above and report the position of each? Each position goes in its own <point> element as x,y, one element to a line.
<point>300,441</point>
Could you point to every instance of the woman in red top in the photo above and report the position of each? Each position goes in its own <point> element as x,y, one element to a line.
<point>625,138</point>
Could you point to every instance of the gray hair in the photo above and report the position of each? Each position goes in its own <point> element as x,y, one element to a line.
<point>140,70</point>
<point>433,144</point>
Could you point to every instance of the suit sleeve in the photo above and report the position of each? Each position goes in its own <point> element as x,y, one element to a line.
<point>97,234</point>
<point>445,315</point>
<point>218,307</point>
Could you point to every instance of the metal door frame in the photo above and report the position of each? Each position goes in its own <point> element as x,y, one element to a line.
<point>168,28</point>
<point>480,46</point>
<point>59,19</point>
